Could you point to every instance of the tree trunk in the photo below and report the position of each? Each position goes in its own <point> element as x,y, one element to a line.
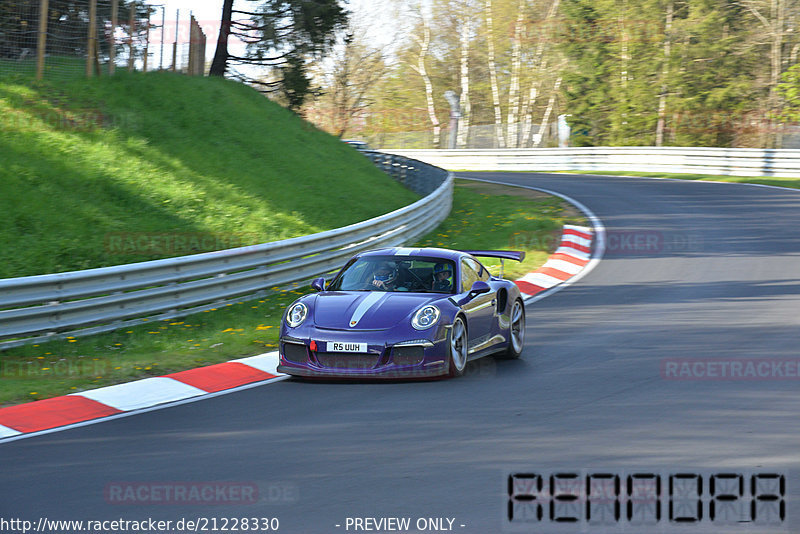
<point>540,66</point>
<point>464,104</point>
<point>778,15</point>
<point>527,124</point>
<point>513,92</point>
<point>498,116</point>
<point>547,113</point>
<point>220,63</point>
<point>624,59</point>
<point>424,43</point>
<point>662,99</point>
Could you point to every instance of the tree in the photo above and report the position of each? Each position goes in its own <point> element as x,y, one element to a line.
<point>423,39</point>
<point>360,69</point>
<point>348,76</point>
<point>498,114</point>
<point>282,36</point>
<point>220,62</point>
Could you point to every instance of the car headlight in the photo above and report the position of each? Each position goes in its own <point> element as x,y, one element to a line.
<point>425,317</point>
<point>296,314</point>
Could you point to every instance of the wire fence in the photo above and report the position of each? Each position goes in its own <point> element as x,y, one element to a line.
<point>61,39</point>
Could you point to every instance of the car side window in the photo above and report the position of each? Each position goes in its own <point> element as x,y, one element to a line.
<point>483,273</point>
<point>469,273</point>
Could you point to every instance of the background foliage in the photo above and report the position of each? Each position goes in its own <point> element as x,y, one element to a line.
<point>623,72</point>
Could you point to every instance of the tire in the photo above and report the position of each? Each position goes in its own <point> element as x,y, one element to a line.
<point>516,331</point>
<point>457,348</point>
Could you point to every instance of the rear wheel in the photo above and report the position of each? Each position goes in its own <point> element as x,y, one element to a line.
<point>516,331</point>
<point>458,348</point>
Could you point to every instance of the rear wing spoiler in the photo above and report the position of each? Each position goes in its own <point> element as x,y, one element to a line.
<point>502,254</point>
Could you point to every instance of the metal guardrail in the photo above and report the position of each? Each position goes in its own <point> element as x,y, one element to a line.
<point>38,308</point>
<point>721,161</point>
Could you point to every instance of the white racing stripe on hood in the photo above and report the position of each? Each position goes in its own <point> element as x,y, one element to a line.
<point>404,251</point>
<point>365,305</point>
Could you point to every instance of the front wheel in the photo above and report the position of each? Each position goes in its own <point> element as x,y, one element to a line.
<point>516,331</point>
<point>458,348</point>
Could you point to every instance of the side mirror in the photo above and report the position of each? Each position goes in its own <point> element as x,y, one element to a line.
<point>479,288</point>
<point>318,284</point>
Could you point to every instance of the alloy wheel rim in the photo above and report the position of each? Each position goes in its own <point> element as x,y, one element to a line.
<point>517,327</point>
<point>458,345</point>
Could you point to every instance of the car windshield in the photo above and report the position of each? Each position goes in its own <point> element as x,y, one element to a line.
<point>396,273</point>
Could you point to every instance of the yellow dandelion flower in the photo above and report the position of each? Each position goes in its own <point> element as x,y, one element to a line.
<point>45,368</point>
<point>263,327</point>
<point>72,340</point>
<point>34,392</point>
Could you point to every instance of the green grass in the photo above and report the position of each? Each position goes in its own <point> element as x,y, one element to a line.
<point>56,68</point>
<point>793,183</point>
<point>89,164</point>
<point>483,217</point>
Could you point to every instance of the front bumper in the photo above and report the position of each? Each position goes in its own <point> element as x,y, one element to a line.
<point>383,374</point>
<point>381,360</point>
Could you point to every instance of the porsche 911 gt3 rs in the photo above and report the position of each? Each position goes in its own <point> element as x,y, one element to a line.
<point>403,312</point>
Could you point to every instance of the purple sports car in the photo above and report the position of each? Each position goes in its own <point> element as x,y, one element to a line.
<point>403,313</point>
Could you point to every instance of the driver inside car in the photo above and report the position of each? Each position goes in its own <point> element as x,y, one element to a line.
<point>442,277</point>
<point>385,277</point>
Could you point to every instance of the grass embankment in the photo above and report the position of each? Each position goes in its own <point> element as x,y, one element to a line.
<point>137,167</point>
<point>483,217</point>
<point>793,183</point>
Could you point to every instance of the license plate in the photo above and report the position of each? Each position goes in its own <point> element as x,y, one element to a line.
<point>335,346</point>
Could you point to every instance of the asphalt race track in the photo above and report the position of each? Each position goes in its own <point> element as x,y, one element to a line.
<point>621,374</point>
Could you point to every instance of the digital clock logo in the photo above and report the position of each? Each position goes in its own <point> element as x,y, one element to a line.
<point>585,500</point>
